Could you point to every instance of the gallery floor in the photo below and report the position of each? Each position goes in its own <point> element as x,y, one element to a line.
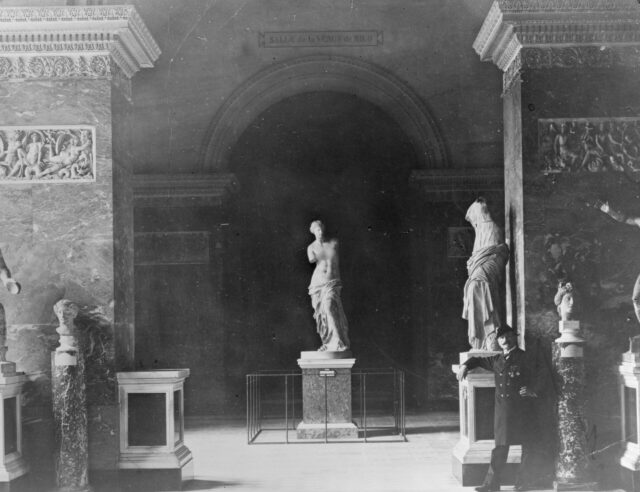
<point>224,461</point>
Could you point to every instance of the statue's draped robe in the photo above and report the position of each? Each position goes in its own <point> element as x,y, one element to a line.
<point>331,321</point>
<point>482,304</point>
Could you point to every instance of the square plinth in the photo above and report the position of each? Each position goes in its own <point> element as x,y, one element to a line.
<point>472,453</point>
<point>326,396</point>
<point>152,425</point>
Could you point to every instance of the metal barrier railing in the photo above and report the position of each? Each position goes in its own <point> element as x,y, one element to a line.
<point>274,403</point>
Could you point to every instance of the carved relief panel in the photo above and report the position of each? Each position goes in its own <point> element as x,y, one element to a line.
<point>47,153</point>
<point>590,145</point>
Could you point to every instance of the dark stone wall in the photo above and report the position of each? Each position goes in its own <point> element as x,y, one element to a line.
<point>565,237</point>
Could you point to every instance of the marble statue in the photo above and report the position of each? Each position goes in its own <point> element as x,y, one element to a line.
<point>14,288</point>
<point>482,303</point>
<point>623,218</point>
<point>564,300</point>
<point>324,289</point>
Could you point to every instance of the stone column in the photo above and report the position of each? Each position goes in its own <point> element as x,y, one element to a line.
<point>70,405</point>
<point>572,467</point>
<point>66,192</point>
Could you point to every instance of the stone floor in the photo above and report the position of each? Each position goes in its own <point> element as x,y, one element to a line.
<point>224,460</point>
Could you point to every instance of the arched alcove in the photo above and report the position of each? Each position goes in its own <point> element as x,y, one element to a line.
<point>342,159</point>
<point>324,73</point>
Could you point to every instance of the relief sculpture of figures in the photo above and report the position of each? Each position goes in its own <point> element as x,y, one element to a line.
<point>590,146</point>
<point>482,303</point>
<point>14,288</point>
<point>46,154</point>
<point>324,289</point>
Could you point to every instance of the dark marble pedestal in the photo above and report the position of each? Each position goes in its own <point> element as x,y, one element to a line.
<point>70,419</point>
<point>326,396</point>
<point>572,467</point>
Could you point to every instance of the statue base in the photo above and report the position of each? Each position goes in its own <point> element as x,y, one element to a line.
<point>12,465</point>
<point>324,355</point>
<point>152,447</point>
<point>570,340</point>
<point>472,454</point>
<point>326,396</point>
<point>327,431</point>
<point>582,487</point>
<point>630,405</point>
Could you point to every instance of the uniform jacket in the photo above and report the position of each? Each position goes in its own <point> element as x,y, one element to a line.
<point>513,413</point>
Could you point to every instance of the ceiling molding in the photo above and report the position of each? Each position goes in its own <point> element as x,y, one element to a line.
<point>182,190</point>
<point>515,25</point>
<point>73,41</point>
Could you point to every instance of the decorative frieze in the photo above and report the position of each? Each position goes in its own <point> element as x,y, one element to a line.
<point>55,66</point>
<point>51,153</point>
<point>73,41</point>
<point>590,145</point>
<point>571,57</point>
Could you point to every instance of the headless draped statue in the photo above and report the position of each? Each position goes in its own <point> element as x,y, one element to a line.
<point>483,306</point>
<point>324,290</point>
<point>14,288</point>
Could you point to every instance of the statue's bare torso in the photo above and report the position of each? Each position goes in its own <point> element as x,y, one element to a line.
<point>325,255</point>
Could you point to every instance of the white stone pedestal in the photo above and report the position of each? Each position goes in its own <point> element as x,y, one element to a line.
<point>13,465</point>
<point>630,408</point>
<point>152,445</point>
<point>472,453</point>
<point>326,396</point>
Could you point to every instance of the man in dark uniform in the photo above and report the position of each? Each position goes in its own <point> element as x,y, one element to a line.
<point>513,406</point>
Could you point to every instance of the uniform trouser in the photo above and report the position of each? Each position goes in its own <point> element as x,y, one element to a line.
<point>499,457</point>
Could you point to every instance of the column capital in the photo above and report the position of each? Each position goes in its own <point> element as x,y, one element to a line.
<point>563,33</point>
<point>73,42</point>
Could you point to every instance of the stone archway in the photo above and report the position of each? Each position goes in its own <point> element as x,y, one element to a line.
<point>323,73</point>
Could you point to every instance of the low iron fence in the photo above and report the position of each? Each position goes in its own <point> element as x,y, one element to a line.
<point>274,406</point>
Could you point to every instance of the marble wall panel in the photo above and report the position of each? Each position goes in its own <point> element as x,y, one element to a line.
<point>58,240</point>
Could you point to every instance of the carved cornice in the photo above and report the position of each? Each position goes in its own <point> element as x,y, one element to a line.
<point>73,41</point>
<point>182,190</point>
<point>514,25</point>
<point>439,185</point>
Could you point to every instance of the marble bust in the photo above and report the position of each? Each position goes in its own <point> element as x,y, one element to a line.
<point>564,300</point>
<point>325,289</point>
